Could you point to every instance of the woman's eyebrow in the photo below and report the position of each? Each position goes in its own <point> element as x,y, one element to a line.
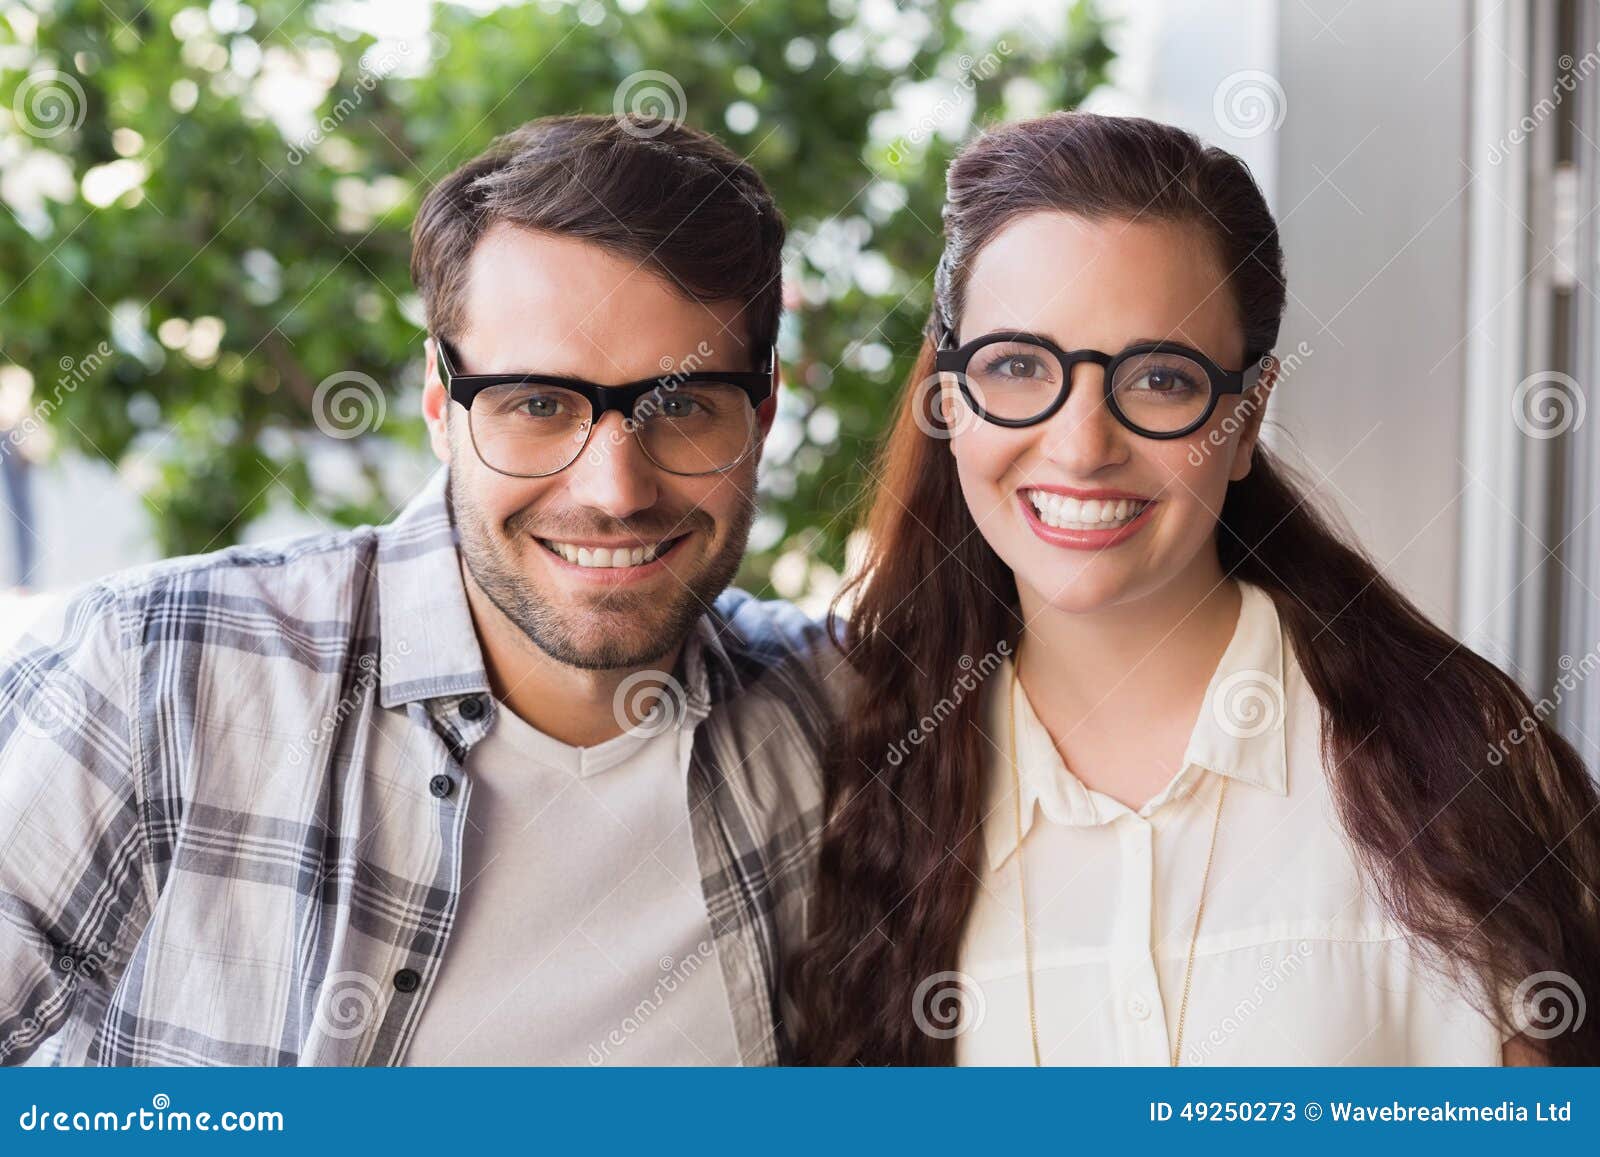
<point>1170,339</point>
<point>1151,340</point>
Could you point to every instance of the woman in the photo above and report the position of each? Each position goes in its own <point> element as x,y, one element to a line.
<point>1236,801</point>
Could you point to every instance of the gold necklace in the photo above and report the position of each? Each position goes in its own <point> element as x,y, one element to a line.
<point>1022,892</point>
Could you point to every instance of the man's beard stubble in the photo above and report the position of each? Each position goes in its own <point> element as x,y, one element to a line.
<point>656,624</point>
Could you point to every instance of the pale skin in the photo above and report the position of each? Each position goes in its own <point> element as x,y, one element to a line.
<point>542,303</point>
<point>1160,596</point>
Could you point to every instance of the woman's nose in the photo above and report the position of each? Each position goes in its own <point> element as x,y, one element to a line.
<point>1084,436</point>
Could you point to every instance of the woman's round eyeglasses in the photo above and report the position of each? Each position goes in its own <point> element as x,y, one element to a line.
<point>1156,389</point>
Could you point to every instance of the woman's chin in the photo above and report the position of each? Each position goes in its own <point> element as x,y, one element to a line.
<point>1082,594</point>
<point>1090,588</point>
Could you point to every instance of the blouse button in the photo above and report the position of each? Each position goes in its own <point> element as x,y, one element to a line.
<point>1139,1007</point>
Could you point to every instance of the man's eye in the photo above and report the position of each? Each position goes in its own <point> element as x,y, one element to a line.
<point>541,406</point>
<point>678,407</point>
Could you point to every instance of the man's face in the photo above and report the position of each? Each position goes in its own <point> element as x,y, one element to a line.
<point>548,304</point>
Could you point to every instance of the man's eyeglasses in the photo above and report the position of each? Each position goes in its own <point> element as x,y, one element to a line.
<point>1156,389</point>
<point>531,425</point>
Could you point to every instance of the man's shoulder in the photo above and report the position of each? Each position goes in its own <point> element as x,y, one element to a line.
<point>292,588</point>
<point>764,631</point>
<point>300,572</point>
<point>773,637</point>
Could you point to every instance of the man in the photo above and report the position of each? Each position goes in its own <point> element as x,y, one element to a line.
<point>508,780</point>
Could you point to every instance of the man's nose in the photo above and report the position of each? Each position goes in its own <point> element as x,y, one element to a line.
<point>613,473</point>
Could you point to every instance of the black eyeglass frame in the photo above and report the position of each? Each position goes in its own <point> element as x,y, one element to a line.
<point>757,385</point>
<point>1223,382</point>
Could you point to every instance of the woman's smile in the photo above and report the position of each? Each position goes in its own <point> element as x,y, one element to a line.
<point>1093,524</point>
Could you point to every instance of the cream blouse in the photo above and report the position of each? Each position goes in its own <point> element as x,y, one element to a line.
<point>1295,964</point>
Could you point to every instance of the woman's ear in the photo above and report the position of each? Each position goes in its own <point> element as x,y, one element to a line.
<point>1250,412</point>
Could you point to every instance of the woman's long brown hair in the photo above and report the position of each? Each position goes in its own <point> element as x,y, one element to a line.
<point>1485,847</point>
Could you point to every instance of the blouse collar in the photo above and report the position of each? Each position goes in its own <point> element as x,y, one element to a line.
<point>1239,733</point>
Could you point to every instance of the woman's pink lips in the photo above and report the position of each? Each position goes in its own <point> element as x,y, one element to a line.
<point>613,575</point>
<point>1083,539</point>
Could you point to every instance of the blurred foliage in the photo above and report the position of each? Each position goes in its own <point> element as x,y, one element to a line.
<point>180,269</point>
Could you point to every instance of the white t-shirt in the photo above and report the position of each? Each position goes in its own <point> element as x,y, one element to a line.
<point>1296,963</point>
<point>582,936</point>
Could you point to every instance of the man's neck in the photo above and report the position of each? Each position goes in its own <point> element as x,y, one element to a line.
<point>570,704</point>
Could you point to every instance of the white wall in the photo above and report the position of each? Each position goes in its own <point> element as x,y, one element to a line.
<point>1366,174</point>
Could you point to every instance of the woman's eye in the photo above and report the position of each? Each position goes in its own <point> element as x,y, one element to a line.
<point>1166,382</point>
<point>1023,366</point>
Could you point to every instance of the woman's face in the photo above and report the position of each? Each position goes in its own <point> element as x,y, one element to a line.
<point>1035,492</point>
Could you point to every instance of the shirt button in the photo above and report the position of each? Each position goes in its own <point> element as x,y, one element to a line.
<point>471,708</point>
<point>406,980</point>
<point>1139,1007</point>
<point>441,785</point>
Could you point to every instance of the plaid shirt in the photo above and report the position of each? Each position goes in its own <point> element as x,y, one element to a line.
<point>206,857</point>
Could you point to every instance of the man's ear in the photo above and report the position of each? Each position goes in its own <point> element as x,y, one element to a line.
<point>768,410</point>
<point>435,404</point>
<point>1251,412</point>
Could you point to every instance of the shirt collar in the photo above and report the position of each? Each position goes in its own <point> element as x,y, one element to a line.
<point>428,646</point>
<point>1239,733</point>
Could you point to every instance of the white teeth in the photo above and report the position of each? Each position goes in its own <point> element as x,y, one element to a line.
<point>601,556</point>
<point>1064,512</point>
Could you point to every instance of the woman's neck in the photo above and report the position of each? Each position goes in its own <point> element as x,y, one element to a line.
<point>1119,688</point>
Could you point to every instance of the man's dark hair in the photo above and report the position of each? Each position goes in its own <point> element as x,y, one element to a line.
<point>674,199</point>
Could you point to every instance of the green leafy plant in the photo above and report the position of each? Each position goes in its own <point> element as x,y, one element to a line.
<point>210,295</point>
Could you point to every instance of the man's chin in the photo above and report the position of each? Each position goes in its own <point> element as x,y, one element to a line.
<point>583,647</point>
